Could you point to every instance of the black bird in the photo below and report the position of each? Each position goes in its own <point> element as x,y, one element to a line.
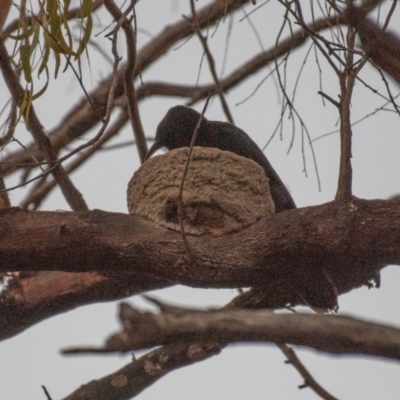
<point>176,130</point>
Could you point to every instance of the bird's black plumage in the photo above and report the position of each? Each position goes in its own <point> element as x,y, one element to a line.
<point>176,130</point>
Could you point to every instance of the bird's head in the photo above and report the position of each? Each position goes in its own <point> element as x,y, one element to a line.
<point>175,129</point>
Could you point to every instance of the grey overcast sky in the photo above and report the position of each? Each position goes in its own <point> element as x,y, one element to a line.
<point>251,371</point>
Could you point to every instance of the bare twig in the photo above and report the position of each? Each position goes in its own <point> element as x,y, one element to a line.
<point>309,380</point>
<point>314,36</point>
<point>389,16</point>
<point>376,110</point>
<point>82,117</point>
<point>46,393</point>
<point>128,73</point>
<point>346,79</point>
<point>326,96</point>
<point>391,97</point>
<point>181,213</point>
<point>211,63</point>
<point>11,121</point>
<point>109,107</point>
<point>292,115</point>
<point>105,120</point>
<point>4,198</point>
<point>71,194</point>
<point>39,192</point>
<point>69,63</point>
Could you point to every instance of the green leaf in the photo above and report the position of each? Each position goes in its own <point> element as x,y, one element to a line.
<point>41,91</point>
<point>25,34</point>
<point>45,59</point>
<point>86,37</point>
<point>58,62</point>
<point>25,54</point>
<point>86,9</point>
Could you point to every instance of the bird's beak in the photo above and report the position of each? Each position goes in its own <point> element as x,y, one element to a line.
<point>156,146</point>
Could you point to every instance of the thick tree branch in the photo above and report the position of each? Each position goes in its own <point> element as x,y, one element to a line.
<point>328,333</point>
<point>139,374</point>
<point>380,47</point>
<point>345,244</point>
<point>24,303</point>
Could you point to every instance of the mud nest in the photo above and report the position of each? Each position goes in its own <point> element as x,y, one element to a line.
<point>222,193</point>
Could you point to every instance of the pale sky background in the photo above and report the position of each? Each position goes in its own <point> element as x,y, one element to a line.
<point>33,358</point>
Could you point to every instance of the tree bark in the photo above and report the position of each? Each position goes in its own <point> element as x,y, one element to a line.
<point>344,245</point>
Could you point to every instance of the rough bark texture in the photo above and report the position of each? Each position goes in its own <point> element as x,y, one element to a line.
<point>31,297</point>
<point>330,333</point>
<point>139,374</point>
<point>222,193</point>
<point>381,47</point>
<point>316,251</point>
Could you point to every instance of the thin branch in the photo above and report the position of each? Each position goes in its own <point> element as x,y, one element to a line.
<point>81,117</point>
<point>395,106</point>
<point>109,108</point>
<point>72,13</point>
<point>211,63</point>
<point>334,102</point>
<point>69,63</point>
<point>71,194</point>
<point>4,198</point>
<point>40,191</point>
<point>383,107</point>
<point>389,16</point>
<point>11,122</point>
<point>46,393</point>
<point>128,74</point>
<point>185,171</point>
<point>309,380</point>
<point>347,79</point>
<point>314,36</point>
<point>178,356</point>
<point>292,114</point>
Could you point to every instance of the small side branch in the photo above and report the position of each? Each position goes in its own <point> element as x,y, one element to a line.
<point>211,64</point>
<point>128,74</point>
<point>309,380</point>
<point>347,79</point>
<point>327,333</point>
<point>185,171</point>
<point>70,192</point>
